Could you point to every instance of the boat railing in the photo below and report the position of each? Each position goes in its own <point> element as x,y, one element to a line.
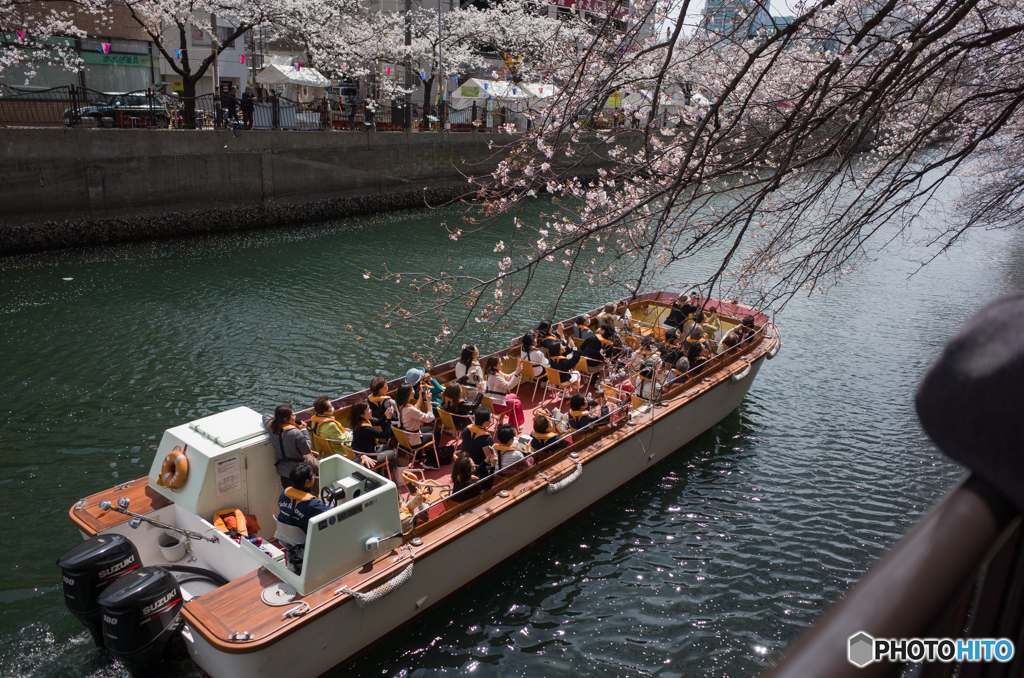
<point>958,574</point>
<point>531,462</point>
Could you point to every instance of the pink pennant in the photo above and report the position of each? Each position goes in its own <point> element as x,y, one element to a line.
<point>241,58</point>
<point>106,48</point>
<point>21,36</point>
<point>298,66</point>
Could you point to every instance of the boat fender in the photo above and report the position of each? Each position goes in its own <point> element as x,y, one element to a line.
<point>774,350</point>
<point>364,599</point>
<point>742,374</point>
<point>555,488</point>
<point>174,470</point>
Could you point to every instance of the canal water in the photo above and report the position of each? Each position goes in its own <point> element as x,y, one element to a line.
<point>705,566</point>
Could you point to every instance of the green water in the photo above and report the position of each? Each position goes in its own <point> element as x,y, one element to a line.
<point>708,565</point>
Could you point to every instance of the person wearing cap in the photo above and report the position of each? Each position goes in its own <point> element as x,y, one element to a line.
<point>415,414</point>
<point>417,375</point>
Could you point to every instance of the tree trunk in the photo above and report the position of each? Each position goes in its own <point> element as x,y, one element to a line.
<point>188,113</point>
<point>426,103</point>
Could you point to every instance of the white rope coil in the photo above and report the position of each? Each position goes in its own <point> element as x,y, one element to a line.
<point>364,599</point>
<point>555,488</point>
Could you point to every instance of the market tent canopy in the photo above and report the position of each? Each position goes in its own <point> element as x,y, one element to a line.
<point>540,90</point>
<point>288,74</point>
<point>481,90</point>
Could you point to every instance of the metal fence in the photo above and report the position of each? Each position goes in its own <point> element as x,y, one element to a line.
<point>146,109</point>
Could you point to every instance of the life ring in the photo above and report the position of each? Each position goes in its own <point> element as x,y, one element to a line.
<point>174,470</point>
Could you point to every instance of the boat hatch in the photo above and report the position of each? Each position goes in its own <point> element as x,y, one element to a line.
<point>230,427</point>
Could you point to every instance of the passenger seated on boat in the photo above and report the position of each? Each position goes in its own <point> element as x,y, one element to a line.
<point>468,371</point>
<point>465,484</point>
<point>417,375</point>
<point>671,349</point>
<point>382,407</point>
<point>461,409</point>
<point>415,413</point>
<point>615,315</point>
<point>290,440</point>
<point>326,426</point>
<point>579,411</point>
<point>728,341</point>
<point>593,347</point>
<point>296,506</point>
<point>478,443</point>
<point>561,354</point>
<point>650,378</point>
<point>697,347</point>
<point>508,454</point>
<point>582,328</point>
<point>365,436</point>
<point>613,347</point>
<point>545,439</point>
<point>498,387</point>
<point>712,325</point>
<point>529,351</point>
<point>745,331</point>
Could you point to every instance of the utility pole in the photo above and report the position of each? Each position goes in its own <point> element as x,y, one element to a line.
<point>407,118</point>
<point>216,67</point>
<point>442,109</point>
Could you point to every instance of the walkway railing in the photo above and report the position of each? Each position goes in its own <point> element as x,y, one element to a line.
<point>73,106</point>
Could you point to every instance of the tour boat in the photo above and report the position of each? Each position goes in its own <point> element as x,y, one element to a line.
<point>157,565</point>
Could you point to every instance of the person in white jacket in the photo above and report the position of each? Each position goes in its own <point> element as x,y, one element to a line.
<point>498,387</point>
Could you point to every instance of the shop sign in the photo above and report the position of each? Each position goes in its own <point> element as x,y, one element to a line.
<point>116,59</point>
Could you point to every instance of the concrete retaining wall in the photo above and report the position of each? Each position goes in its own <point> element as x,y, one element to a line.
<point>68,187</point>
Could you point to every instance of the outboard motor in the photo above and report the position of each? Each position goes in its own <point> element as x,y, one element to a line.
<point>88,569</point>
<point>140,615</point>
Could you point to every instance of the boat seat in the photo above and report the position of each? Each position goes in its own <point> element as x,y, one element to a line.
<point>289,535</point>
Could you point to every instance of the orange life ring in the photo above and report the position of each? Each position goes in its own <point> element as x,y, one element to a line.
<point>174,470</point>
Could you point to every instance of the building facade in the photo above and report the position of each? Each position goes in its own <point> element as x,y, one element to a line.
<point>735,20</point>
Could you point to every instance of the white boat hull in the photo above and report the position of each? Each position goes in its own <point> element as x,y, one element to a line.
<point>322,644</point>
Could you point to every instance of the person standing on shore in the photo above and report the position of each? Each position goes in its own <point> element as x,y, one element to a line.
<point>248,106</point>
<point>231,103</point>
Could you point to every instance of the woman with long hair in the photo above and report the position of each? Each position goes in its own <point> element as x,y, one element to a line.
<point>290,440</point>
<point>365,436</point>
<point>498,387</point>
<point>467,370</point>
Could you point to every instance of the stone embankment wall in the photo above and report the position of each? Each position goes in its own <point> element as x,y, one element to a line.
<point>69,187</point>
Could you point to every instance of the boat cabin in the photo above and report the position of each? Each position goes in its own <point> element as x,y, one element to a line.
<point>231,467</point>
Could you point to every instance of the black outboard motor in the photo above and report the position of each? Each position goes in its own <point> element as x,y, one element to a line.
<point>140,615</point>
<point>88,569</point>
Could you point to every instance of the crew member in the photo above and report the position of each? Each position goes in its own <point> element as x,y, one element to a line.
<point>297,506</point>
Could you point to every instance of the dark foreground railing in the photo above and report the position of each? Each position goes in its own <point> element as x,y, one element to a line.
<point>958,574</point>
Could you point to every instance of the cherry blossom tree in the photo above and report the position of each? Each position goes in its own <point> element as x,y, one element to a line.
<point>31,32</point>
<point>786,158</point>
<point>470,37</point>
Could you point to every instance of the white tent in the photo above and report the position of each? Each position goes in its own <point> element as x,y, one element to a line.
<point>481,91</point>
<point>539,92</point>
<point>298,81</point>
